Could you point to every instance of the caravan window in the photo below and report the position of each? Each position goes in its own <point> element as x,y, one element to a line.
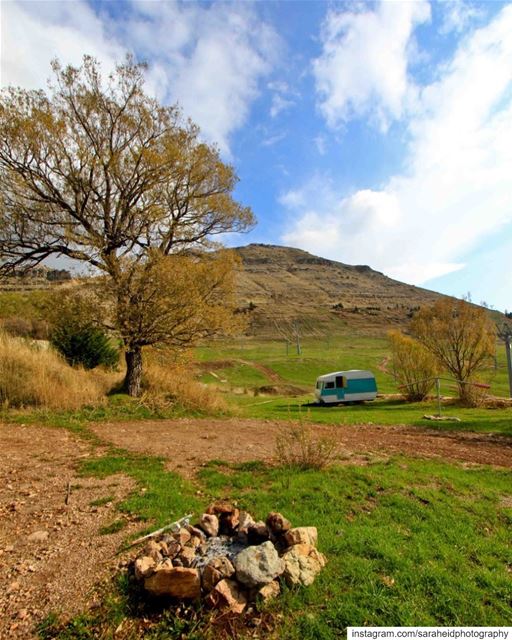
<point>318,384</point>
<point>329,385</point>
<point>340,382</point>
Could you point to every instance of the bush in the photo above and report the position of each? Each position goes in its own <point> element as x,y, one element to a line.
<point>84,345</point>
<point>413,366</point>
<point>34,376</point>
<point>299,447</point>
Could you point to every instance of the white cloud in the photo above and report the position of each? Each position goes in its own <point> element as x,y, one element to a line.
<point>33,33</point>
<point>210,58</point>
<point>455,189</point>
<point>363,68</point>
<point>320,144</point>
<point>279,104</point>
<point>457,15</point>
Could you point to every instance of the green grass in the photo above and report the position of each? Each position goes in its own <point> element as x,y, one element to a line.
<point>100,502</point>
<point>239,375</point>
<point>29,304</point>
<point>113,527</point>
<point>161,496</point>
<point>380,411</point>
<point>408,542</point>
<point>320,356</point>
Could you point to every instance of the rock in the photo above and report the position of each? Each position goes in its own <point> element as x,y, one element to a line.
<point>188,556</point>
<point>38,536</point>
<point>210,577</point>
<point>257,533</point>
<point>194,542</point>
<point>152,549</point>
<point>302,535</point>
<point>277,523</point>
<point>270,590</point>
<point>144,567</point>
<point>182,536</point>
<point>224,565</point>
<point>178,582</point>
<point>228,594</point>
<point>217,569</point>
<point>228,522</point>
<point>245,520</point>
<point>196,532</point>
<point>170,549</point>
<point>227,514</point>
<point>302,564</point>
<point>220,506</point>
<point>258,565</point>
<point>209,523</point>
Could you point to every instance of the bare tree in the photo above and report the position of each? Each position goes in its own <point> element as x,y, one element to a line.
<point>100,172</point>
<point>291,331</point>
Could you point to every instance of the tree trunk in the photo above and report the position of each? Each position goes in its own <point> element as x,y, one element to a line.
<point>508,347</point>
<point>133,379</point>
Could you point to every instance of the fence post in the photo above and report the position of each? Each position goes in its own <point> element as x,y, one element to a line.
<point>438,391</point>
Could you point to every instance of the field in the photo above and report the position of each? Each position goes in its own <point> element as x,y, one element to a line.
<point>415,527</point>
<point>242,369</point>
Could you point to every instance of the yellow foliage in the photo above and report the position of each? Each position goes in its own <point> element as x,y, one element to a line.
<point>413,366</point>
<point>460,336</point>
<point>33,375</point>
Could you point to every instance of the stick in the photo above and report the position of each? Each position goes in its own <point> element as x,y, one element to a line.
<point>177,523</point>
<point>68,493</point>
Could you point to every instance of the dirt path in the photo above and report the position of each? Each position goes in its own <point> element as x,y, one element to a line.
<point>189,443</point>
<point>272,375</point>
<point>51,554</point>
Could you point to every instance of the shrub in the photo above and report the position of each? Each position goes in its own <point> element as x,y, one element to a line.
<point>413,366</point>
<point>34,376</point>
<point>84,345</point>
<point>299,447</point>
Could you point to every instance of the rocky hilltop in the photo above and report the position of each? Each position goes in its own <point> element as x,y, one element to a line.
<point>282,285</point>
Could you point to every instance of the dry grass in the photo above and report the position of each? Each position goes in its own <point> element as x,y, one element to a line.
<point>171,384</point>
<point>300,447</point>
<point>31,375</point>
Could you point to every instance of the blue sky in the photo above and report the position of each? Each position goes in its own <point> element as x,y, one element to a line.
<point>370,133</point>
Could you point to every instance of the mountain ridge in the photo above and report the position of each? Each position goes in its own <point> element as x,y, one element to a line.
<point>284,285</point>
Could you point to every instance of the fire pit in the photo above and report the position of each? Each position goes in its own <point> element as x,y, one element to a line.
<point>229,559</point>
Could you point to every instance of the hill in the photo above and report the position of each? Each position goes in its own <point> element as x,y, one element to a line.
<point>282,285</point>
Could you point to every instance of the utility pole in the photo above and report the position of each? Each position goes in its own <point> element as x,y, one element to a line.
<point>505,333</point>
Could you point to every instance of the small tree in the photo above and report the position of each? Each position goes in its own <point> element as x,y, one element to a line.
<point>461,336</point>
<point>102,173</point>
<point>84,345</point>
<point>76,330</point>
<point>414,367</point>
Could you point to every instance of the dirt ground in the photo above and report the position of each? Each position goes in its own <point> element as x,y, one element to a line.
<point>189,443</point>
<point>52,554</point>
